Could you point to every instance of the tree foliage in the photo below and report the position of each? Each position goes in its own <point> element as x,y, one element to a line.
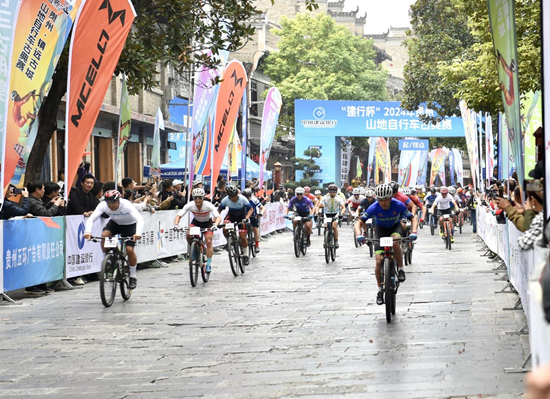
<point>320,60</point>
<point>165,32</point>
<point>308,166</point>
<point>451,55</point>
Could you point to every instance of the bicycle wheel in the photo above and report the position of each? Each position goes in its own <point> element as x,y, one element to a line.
<point>194,263</point>
<point>327,245</point>
<point>394,294</point>
<point>205,276</point>
<point>108,280</point>
<point>304,240</point>
<point>460,223</point>
<point>432,226</point>
<point>251,245</point>
<point>240,252</point>
<point>124,282</point>
<point>405,255</point>
<point>355,239</point>
<point>410,253</point>
<point>233,258</point>
<point>388,288</point>
<point>332,248</point>
<point>319,225</point>
<point>297,241</point>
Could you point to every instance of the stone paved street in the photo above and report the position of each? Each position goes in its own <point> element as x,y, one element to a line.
<point>287,328</point>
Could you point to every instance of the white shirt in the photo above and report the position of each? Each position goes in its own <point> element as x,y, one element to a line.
<point>125,215</point>
<point>204,214</point>
<point>443,203</point>
<point>332,205</point>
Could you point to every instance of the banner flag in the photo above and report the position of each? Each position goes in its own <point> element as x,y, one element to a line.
<point>370,160</point>
<point>244,129</point>
<point>359,171</point>
<point>470,133</point>
<point>270,118</point>
<point>124,124</point>
<point>545,25</point>
<point>383,160</point>
<point>438,163</point>
<point>532,121</point>
<point>155,155</point>
<point>98,36</point>
<point>202,166</point>
<point>489,161</point>
<point>408,168</point>
<point>229,98</point>
<point>452,167</point>
<point>8,12</point>
<point>422,168</point>
<point>459,168</point>
<point>507,159</point>
<point>39,36</point>
<point>503,28</point>
<point>233,152</point>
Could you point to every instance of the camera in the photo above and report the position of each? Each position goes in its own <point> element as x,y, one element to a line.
<point>16,191</point>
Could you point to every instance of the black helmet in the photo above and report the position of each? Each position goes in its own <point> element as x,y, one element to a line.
<point>394,186</point>
<point>232,191</point>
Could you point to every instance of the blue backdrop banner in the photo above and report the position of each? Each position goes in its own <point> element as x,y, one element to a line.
<point>33,252</point>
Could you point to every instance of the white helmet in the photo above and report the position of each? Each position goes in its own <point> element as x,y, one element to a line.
<point>356,191</point>
<point>196,182</point>
<point>362,191</point>
<point>384,191</point>
<point>317,192</point>
<point>369,193</point>
<point>198,192</point>
<point>407,190</point>
<point>452,190</point>
<point>300,190</point>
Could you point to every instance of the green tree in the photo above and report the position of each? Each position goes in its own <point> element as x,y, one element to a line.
<point>308,166</point>
<point>318,59</point>
<point>451,56</point>
<point>166,32</point>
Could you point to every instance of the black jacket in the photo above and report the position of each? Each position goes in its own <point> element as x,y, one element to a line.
<point>176,202</point>
<point>39,209</point>
<point>10,209</point>
<point>80,202</point>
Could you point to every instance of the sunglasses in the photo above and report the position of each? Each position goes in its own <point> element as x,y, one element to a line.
<point>332,191</point>
<point>299,194</point>
<point>198,198</point>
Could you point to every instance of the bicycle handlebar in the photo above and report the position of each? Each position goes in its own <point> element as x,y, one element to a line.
<point>98,239</point>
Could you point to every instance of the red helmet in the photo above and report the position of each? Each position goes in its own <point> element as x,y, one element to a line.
<point>444,190</point>
<point>307,189</point>
<point>112,196</point>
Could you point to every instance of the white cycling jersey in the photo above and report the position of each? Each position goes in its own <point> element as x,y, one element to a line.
<point>355,202</point>
<point>443,203</point>
<point>125,215</point>
<point>204,214</point>
<point>332,205</point>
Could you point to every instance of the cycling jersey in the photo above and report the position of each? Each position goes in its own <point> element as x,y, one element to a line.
<point>443,203</point>
<point>355,202</point>
<point>403,198</point>
<point>310,196</point>
<point>302,207</point>
<point>387,217</point>
<point>126,214</point>
<point>422,195</point>
<point>457,199</point>
<point>203,215</point>
<point>416,201</point>
<point>240,207</point>
<point>366,203</point>
<point>256,205</point>
<point>332,205</point>
<point>430,199</point>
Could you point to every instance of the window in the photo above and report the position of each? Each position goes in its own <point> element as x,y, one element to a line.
<point>254,99</point>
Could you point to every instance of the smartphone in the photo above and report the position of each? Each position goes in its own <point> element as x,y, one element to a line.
<point>16,191</point>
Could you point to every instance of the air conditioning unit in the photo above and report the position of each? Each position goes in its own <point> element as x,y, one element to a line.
<point>168,92</point>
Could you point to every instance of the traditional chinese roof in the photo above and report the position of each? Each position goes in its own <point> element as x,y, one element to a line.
<point>377,36</point>
<point>336,4</point>
<point>361,20</point>
<point>344,14</point>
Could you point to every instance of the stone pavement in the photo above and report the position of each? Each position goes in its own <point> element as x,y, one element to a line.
<point>286,328</point>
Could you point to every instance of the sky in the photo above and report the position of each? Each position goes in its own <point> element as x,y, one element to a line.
<point>381,13</point>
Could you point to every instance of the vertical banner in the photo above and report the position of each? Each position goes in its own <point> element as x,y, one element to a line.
<point>489,156</point>
<point>438,163</point>
<point>469,132</point>
<point>155,155</point>
<point>270,118</point>
<point>503,29</point>
<point>459,168</point>
<point>244,129</point>
<point>383,160</point>
<point>229,98</point>
<point>452,167</point>
<point>8,16</point>
<point>124,125</point>
<point>97,40</point>
<point>408,168</point>
<point>532,120</point>
<point>422,168</point>
<point>359,171</point>
<point>370,160</point>
<point>546,101</point>
<point>481,153</point>
<point>39,36</point>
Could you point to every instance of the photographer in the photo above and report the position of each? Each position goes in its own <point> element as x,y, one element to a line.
<point>37,207</point>
<point>169,200</point>
<point>10,208</point>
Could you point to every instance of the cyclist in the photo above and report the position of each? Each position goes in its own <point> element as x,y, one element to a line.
<point>418,202</point>
<point>365,204</point>
<point>428,202</point>
<point>398,195</point>
<point>354,202</point>
<point>443,203</point>
<point>303,207</point>
<point>318,195</point>
<point>125,220</point>
<point>239,210</point>
<point>421,192</point>
<point>307,194</point>
<point>202,211</point>
<point>333,205</point>
<point>388,213</point>
<point>255,218</point>
<point>458,200</point>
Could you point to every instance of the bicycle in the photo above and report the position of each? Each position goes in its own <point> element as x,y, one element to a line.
<point>251,239</point>
<point>460,220</point>
<point>357,244</point>
<point>419,217</point>
<point>320,221</point>
<point>329,245</point>
<point>369,236</point>
<point>234,249</point>
<point>388,274</point>
<point>115,269</point>
<point>300,236</point>
<point>197,254</point>
<point>407,246</point>
<point>447,229</point>
<point>433,222</point>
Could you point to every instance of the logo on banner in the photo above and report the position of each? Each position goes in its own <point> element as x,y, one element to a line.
<point>113,14</point>
<point>80,235</point>
<point>319,114</point>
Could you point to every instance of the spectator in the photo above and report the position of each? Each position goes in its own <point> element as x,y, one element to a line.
<point>81,199</point>
<point>51,194</point>
<point>179,192</point>
<point>61,181</point>
<point>97,192</point>
<point>37,207</point>
<point>167,197</point>
<point>110,185</point>
<point>83,170</point>
<point>11,209</point>
<point>219,192</point>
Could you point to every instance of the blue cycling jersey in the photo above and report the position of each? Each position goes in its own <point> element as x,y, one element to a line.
<point>241,206</point>
<point>302,207</point>
<point>256,205</point>
<point>430,199</point>
<point>387,217</point>
<point>366,203</point>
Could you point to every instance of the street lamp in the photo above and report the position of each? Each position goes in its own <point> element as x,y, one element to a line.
<point>277,174</point>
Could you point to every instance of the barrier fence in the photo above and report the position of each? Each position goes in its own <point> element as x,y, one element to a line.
<point>525,269</point>
<point>42,250</point>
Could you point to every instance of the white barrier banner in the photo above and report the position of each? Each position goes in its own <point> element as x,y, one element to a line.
<point>160,237</point>
<point>2,260</point>
<point>82,256</point>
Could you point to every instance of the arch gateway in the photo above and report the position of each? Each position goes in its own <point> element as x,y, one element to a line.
<point>321,123</point>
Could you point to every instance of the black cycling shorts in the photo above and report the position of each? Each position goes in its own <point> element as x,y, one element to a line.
<point>255,221</point>
<point>125,230</point>
<point>444,212</point>
<point>235,217</point>
<point>387,232</point>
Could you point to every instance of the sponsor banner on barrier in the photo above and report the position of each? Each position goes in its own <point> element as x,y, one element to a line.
<point>1,252</point>
<point>33,252</point>
<point>82,256</point>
